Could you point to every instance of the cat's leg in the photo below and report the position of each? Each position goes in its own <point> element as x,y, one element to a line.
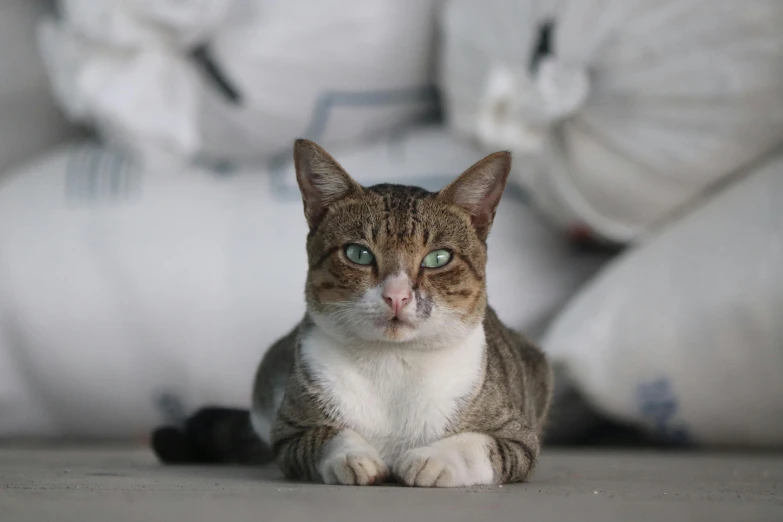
<point>331,456</point>
<point>469,459</point>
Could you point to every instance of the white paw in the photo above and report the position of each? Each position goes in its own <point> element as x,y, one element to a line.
<point>349,460</point>
<point>354,469</point>
<point>455,462</point>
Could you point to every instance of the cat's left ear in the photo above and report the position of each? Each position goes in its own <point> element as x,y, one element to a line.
<point>322,181</point>
<point>478,190</point>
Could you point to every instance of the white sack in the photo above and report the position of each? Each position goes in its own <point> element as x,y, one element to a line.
<point>683,335</point>
<point>129,297</point>
<point>331,70</point>
<point>30,122</point>
<point>641,106</point>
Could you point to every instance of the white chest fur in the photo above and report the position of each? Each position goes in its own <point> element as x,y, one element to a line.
<point>395,399</point>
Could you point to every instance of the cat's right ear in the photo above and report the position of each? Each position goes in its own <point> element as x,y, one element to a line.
<point>321,179</point>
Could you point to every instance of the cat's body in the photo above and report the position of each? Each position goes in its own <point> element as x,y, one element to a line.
<point>399,367</point>
<point>399,400</point>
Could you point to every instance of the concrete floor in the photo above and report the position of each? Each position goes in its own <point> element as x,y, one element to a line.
<point>122,485</point>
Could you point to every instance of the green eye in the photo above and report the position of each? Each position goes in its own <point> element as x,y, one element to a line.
<point>359,254</point>
<point>436,258</point>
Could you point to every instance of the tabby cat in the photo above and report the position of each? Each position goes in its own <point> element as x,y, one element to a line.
<point>399,369</point>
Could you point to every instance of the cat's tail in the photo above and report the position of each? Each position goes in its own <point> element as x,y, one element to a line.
<point>212,435</point>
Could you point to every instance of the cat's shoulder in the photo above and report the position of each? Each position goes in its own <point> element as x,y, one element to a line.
<point>501,337</point>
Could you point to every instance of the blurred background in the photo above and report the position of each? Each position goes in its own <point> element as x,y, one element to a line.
<point>152,235</point>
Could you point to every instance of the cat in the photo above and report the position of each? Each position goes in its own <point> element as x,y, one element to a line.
<point>399,369</point>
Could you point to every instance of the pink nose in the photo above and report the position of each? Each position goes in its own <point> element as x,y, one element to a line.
<point>397,293</point>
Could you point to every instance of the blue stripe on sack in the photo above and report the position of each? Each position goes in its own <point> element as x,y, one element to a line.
<point>330,100</point>
<point>95,175</point>
<point>323,109</point>
<point>171,408</point>
<point>658,406</point>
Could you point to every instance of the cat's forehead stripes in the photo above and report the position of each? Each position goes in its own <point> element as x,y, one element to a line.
<point>401,228</point>
<point>401,209</point>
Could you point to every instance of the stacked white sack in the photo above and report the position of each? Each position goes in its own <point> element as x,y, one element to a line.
<point>683,335</point>
<point>639,107</point>
<point>239,80</point>
<point>130,296</point>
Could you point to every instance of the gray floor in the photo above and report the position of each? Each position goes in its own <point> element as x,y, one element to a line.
<point>120,485</point>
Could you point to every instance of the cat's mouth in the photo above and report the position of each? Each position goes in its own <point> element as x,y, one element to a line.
<point>393,324</point>
<point>395,321</point>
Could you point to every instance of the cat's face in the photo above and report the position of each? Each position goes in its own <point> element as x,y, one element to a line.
<point>392,263</point>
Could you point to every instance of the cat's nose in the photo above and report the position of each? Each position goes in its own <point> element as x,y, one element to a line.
<point>397,293</point>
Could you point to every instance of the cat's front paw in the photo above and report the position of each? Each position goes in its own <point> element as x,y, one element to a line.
<point>446,464</point>
<point>350,461</point>
<point>354,469</point>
